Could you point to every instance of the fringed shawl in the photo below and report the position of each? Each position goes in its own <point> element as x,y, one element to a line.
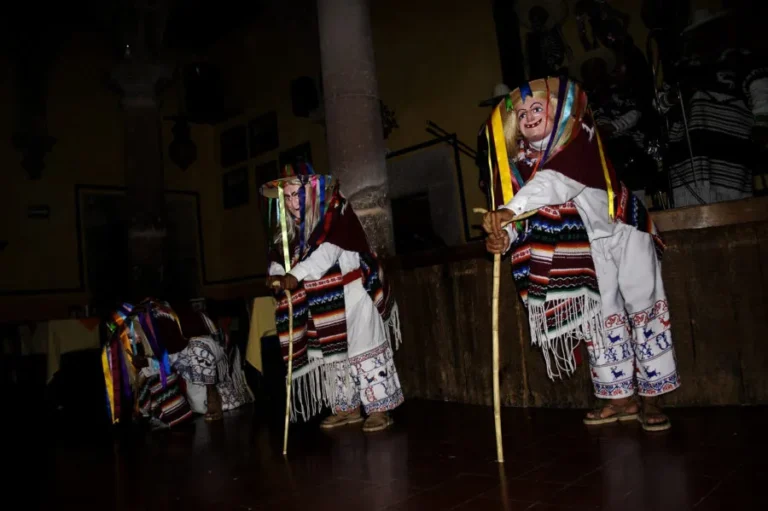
<point>552,260</point>
<point>319,312</point>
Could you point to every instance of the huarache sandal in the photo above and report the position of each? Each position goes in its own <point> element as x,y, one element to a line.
<point>342,419</point>
<point>597,417</point>
<point>378,421</point>
<point>657,425</point>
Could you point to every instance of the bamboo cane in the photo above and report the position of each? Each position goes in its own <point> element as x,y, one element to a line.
<point>522,216</point>
<point>495,339</point>
<point>495,327</point>
<point>289,381</point>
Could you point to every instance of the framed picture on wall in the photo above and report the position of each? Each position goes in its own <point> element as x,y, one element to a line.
<point>266,172</point>
<point>104,243</point>
<point>262,134</point>
<point>233,146</point>
<point>299,153</point>
<point>234,186</point>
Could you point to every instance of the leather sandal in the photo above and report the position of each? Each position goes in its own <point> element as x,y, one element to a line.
<point>619,414</point>
<point>663,425</point>
<point>342,419</point>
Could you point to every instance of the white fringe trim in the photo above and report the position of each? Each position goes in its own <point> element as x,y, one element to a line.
<point>392,327</point>
<point>559,345</point>
<point>315,388</point>
<point>238,375</point>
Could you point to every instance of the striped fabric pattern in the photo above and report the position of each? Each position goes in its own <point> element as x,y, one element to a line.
<point>556,279</point>
<point>723,152</point>
<point>327,308</point>
<point>319,320</point>
<point>165,403</point>
<point>553,261</point>
<point>721,113</point>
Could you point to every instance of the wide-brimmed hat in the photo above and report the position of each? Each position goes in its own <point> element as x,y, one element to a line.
<point>556,9</point>
<point>599,53</point>
<point>301,174</point>
<point>500,91</point>
<point>701,17</point>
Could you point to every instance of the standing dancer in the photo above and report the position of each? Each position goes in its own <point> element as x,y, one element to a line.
<point>343,311</point>
<point>587,264</point>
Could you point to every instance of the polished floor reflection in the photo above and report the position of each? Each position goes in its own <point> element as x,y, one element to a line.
<point>438,456</point>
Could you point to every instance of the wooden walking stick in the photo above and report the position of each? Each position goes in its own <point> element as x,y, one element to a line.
<point>495,348</point>
<point>495,327</point>
<point>289,381</point>
<point>495,339</point>
<point>287,259</point>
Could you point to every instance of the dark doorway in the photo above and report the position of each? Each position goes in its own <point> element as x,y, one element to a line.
<point>412,222</point>
<point>107,254</point>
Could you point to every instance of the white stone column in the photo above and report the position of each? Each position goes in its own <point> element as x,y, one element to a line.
<point>356,150</point>
<point>139,77</point>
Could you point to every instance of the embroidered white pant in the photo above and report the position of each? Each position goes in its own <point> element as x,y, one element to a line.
<point>637,354</point>
<point>372,379</point>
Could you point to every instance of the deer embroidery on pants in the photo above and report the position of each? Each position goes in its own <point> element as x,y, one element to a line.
<point>617,373</point>
<point>650,373</point>
<point>648,333</point>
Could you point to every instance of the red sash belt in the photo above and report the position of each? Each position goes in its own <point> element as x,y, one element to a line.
<point>352,276</point>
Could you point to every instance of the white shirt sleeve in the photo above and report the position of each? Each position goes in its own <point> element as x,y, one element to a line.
<point>318,263</point>
<point>547,188</point>
<point>512,232</point>
<point>276,270</point>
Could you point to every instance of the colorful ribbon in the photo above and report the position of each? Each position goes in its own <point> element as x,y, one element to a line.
<point>283,226</point>
<point>110,388</point>
<point>270,204</point>
<point>607,174</point>
<point>322,196</point>
<point>303,216</point>
<point>500,144</point>
<point>491,183</point>
<point>558,115</point>
<point>567,110</point>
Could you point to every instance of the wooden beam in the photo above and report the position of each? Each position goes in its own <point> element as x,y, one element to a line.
<point>713,215</point>
<point>682,219</point>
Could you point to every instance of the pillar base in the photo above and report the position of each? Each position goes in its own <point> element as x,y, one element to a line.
<point>372,208</point>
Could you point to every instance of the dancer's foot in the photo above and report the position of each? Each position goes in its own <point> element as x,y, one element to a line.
<point>342,419</point>
<point>651,417</point>
<point>625,409</point>
<point>378,421</point>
